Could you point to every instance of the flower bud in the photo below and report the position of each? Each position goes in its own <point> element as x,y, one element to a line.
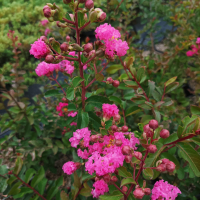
<point>118,142</point>
<point>138,154</point>
<point>128,159</point>
<point>94,138</point>
<point>124,189</point>
<point>96,179</point>
<point>100,53</point>
<point>64,46</point>
<point>165,161</point>
<point>147,191</point>
<point>164,133</point>
<point>138,193</point>
<point>47,11</point>
<point>87,39</point>
<point>161,168</point>
<point>93,16</point>
<point>146,128</point>
<point>89,4</point>
<point>78,165</point>
<point>65,100</point>
<point>44,39</point>
<point>152,148</point>
<point>106,178</point>
<point>126,150</point>
<point>115,83</point>
<point>92,53</point>
<point>170,166</point>
<point>116,172</point>
<point>114,179</point>
<point>117,117</point>
<point>101,140</point>
<point>61,25</point>
<point>68,38</point>
<point>49,59</point>
<point>101,16</point>
<point>88,47</point>
<point>67,1</point>
<point>124,128</point>
<point>153,124</point>
<point>109,79</point>
<point>149,133</point>
<point>144,135</point>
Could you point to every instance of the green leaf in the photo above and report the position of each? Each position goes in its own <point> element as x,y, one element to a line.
<point>140,74</point>
<point>31,120</point>
<point>123,172</point>
<point>190,155</point>
<point>55,45</point>
<point>18,166</point>
<point>151,86</point>
<point>29,174</point>
<point>171,80</point>
<point>70,93</point>
<point>132,110</point>
<point>86,191</point>
<point>55,150</point>
<point>38,177</point>
<point>156,95</point>
<point>3,184</point>
<point>77,180</point>
<point>83,119</point>
<point>148,173</point>
<point>3,169</point>
<point>63,195</point>
<point>76,81</point>
<point>60,144</point>
<point>157,115</point>
<point>51,93</point>
<point>15,189</point>
<point>108,124</point>
<point>23,191</point>
<point>114,68</point>
<point>116,100</point>
<point>96,121</point>
<point>195,110</point>
<point>145,106</point>
<point>38,130</point>
<point>98,99</point>
<point>116,195</point>
<point>171,87</point>
<point>126,181</point>
<point>81,20</point>
<point>100,90</point>
<point>173,137</point>
<point>99,77</point>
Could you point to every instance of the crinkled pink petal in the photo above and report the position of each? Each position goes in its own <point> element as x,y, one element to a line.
<point>69,167</point>
<point>100,188</point>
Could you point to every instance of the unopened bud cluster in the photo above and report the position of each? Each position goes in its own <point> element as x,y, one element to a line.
<point>115,83</point>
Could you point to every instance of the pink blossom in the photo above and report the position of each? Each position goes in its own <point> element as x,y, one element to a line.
<point>198,40</point>
<point>190,53</point>
<point>39,49</point>
<point>60,107</point>
<point>121,47</point>
<point>84,134</point>
<point>69,167</point>
<point>164,190</point>
<point>44,68</point>
<point>73,124</point>
<point>72,53</point>
<point>66,65</point>
<point>109,110</point>
<point>100,188</point>
<point>72,114</point>
<point>106,32</point>
<point>44,22</point>
<point>47,31</point>
<point>83,154</point>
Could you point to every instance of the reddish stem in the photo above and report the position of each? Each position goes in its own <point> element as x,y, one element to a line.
<point>59,85</point>
<point>119,189</point>
<point>80,29</point>
<point>89,60</point>
<point>163,94</point>
<point>68,21</point>
<point>78,192</point>
<point>35,191</point>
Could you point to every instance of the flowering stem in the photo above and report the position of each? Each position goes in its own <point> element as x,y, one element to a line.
<point>72,59</point>
<point>89,60</point>
<point>80,29</point>
<point>163,94</point>
<point>119,189</point>
<point>59,85</point>
<point>79,60</point>
<point>35,191</point>
<point>78,192</point>
<point>134,79</point>
<point>68,21</point>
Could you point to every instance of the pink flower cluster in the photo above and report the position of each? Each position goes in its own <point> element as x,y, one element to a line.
<point>100,188</point>
<point>195,49</point>
<point>39,49</point>
<point>69,167</point>
<point>165,191</point>
<point>45,69</point>
<point>101,153</point>
<point>60,107</point>
<point>109,110</point>
<point>111,36</point>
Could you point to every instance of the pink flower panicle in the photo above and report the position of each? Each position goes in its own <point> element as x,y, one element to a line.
<point>60,107</point>
<point>100,188</point>
<point>73,124</point>
<point>164,190</point>
<point>195,49</point>
<point>45,69</point>
<point>72,114</point>
<point>198,40</point>
<point>69,167</point>
<point>39,49</point>
<point>109,110</point>
<point>110,36</point>
<point>67,66</point>
<point>84,134</point>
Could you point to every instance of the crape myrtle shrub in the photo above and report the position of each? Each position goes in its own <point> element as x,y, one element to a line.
<point>128,129</point>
